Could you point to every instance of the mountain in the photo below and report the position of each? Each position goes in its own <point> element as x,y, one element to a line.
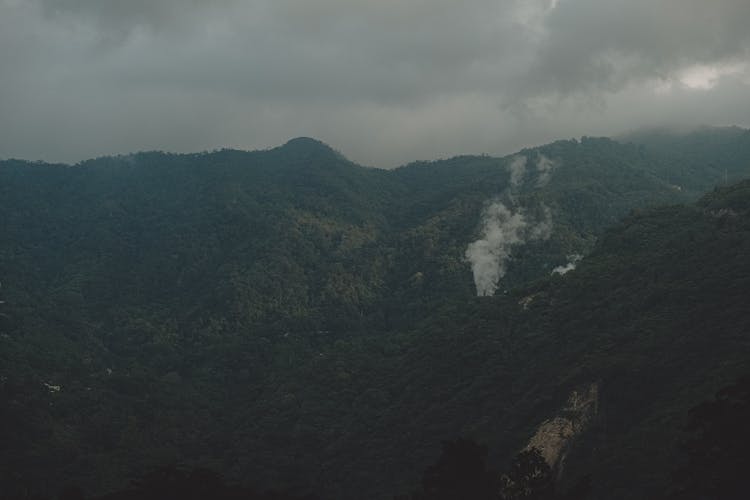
<point>696,159</point>
<point>655,316</point>
<point>292,319</point>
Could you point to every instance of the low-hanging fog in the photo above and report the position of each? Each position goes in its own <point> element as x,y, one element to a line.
<point>385,82</point>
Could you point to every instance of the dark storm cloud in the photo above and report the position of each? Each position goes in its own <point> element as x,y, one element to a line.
<point>387,81</point>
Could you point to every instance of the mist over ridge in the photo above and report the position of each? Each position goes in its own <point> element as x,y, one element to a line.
<point>390,82</point>
<point>374,250</point>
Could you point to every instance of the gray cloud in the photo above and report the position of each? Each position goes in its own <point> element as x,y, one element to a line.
<point>386,82</point>
<point>606,45</point>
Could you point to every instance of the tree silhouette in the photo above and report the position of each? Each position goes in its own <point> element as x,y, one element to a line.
<point>459,473</point>
<point>717,450</point>
<point>71,492</point>
<point>174,483</point>
<point>529,478</point>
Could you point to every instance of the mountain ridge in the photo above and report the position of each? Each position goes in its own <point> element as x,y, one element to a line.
<point>281,314</point>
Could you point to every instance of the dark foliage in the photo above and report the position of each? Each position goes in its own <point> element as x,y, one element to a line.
<point>717,458</point>
<point>295,320</point>
<point>529,477</point>
<point>175,483</point>
<point>460,472</point>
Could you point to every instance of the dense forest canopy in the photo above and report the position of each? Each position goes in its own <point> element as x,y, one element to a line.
<point>293,320</point>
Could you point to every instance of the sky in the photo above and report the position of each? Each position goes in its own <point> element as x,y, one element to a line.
<point>385,82</point>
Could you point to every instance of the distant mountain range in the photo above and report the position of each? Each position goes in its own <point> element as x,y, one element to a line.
<point>294,320</point>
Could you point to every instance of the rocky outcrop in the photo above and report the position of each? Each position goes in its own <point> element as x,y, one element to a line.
<point>554,436</point>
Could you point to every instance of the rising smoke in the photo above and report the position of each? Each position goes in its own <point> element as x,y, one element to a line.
<point>502,229</point>
<point>544,167</point>
<point>506,226</point>
<point>517,167</point>
<point>572,263</point>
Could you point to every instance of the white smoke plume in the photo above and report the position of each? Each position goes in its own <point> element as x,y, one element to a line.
<point>573,262</point>
<point>502,229</point>
<point>542,229</point>
<point>544,166</point>
<point>517,167</point>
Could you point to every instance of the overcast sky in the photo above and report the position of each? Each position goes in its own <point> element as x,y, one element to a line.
<point>383,81</point>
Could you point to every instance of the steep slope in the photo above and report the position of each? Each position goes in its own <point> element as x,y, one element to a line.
<point>290,318</point>
<point>656,315</point>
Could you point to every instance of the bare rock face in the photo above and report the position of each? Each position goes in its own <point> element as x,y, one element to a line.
<point>526,301</point>
<point>553,436</point>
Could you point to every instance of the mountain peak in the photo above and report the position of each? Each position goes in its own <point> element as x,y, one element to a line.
<point>307,145</point>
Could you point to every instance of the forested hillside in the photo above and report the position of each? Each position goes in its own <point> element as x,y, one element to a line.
<point>696,159</point>
<point>294,320</point>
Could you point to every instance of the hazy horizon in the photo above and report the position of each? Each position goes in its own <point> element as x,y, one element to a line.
<point>618,137</point>
<point>385,83</point>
